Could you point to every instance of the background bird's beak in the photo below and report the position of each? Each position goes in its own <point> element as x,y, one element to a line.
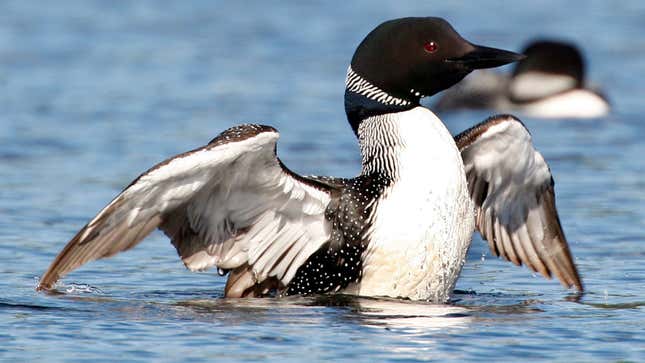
<point>486,57</point>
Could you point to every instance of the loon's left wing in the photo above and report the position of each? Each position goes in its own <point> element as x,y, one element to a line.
<point>512,188</point>
<point>230,204</point>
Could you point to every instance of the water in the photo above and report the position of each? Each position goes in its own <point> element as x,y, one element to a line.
<point>93,93</point>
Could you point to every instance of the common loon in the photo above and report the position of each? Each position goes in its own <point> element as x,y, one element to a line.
<point>399,229</point>
<point>548,83</point>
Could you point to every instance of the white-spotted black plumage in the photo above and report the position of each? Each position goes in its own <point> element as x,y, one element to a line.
<point>340,261</point>
<point>401,228</point>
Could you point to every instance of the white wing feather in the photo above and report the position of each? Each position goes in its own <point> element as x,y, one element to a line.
<point>229,204</point>
<point>512,187</point>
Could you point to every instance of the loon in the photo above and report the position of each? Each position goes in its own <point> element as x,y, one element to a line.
<point>399,229</point>
<point>548,83</point>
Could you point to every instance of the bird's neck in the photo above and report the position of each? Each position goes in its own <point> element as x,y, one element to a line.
<point>364,100</point>
<point>381,145</point>
<point>396,144</point>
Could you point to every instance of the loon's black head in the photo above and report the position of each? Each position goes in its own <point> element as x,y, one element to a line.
<point>553,57</point>
<point>550,67</point>
<point>405,59</point>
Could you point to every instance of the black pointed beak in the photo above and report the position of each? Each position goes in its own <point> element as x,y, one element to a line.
<point>486,57</point>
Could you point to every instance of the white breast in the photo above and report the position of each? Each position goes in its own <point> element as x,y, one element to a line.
<point>424,222</point>
<point>532,85</point>
<point>577,103</point>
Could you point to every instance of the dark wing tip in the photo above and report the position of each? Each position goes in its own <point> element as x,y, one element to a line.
<point>46,285</point>
<point>48,279</point>
<point>53,273</point>
<point>567,272</point>
<point>578,284</point>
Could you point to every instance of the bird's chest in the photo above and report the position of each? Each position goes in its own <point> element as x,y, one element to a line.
<point>420,235</point>
<point>422,223</point>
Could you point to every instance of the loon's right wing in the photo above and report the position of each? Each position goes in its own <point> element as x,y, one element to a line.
<point>230,204</point>
<point>512,188</point>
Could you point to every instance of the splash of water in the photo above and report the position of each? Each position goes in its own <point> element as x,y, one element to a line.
<point>72,288</point>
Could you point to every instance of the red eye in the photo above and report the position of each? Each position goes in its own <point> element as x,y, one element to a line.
<point>430,47</point>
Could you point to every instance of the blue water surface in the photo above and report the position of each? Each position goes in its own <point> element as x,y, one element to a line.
<point>94,92</point>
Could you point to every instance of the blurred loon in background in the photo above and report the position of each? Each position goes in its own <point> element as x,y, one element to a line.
<point>401,228</point>
<point>548,83</point>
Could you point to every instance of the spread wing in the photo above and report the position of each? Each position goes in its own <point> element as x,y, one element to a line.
<point>512,188</point>
<point>230,204</point>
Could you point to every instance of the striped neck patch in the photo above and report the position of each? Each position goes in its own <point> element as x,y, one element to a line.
<point>357,84</point>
